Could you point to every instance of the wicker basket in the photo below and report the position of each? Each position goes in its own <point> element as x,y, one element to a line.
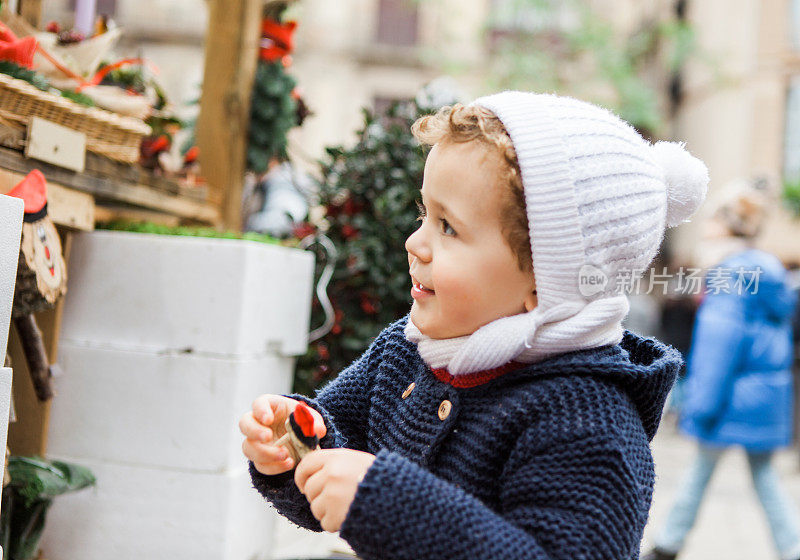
<point>107,134</point>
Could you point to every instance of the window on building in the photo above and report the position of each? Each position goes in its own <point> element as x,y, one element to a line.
<point>381,105</point>
<point>510,18</point>
<point>791,143</point>
<point>104,7</point>
<point>794,24</point>
<point>398,22</point>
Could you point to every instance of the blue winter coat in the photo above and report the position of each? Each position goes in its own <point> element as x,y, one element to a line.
<point>739,382</point>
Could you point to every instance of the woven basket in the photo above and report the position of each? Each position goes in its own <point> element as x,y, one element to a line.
<point>107,134</point>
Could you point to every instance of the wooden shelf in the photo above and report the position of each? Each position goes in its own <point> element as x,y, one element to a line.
<point>66,207</point>
<point>175,200</point>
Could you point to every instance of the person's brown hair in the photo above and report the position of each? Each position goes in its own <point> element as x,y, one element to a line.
<point>459,123</point>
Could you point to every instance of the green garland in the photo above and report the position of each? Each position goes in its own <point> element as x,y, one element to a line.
<point>188,231</point>
<point>40,82</point>
<point>273,113</point>
<point>16,71</point>
<point>78,97</point>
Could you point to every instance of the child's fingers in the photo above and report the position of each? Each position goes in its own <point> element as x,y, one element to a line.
<point>318,509</point>
<point>314,486</point>
<point>274,468</point>
<point>253,429</point>
<point>263,452</point>
<point>269,409</point>
<point>310,464</point>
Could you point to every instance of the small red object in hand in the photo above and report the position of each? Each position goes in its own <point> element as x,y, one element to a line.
<point>304,419</point>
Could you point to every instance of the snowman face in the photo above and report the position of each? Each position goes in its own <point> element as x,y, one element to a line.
<point>45,250</point>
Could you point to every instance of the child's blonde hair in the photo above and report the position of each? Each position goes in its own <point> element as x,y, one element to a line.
<point>461,123</point>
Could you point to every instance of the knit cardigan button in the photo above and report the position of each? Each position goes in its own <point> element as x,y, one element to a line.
<point>408,390</point>
<point>444,409</point>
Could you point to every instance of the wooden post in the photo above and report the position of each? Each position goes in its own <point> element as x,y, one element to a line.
<point>232,42</point>
<point>31,10</point>
<point>28,435</point>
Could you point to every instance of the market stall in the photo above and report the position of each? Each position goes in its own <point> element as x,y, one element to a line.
<point>83,144</point>
<point>92,159</point>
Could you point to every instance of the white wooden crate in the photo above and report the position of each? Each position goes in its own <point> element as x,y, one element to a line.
<point>165,342</point>
<point>161,292</point>
<point>176,411</point>
<point>159,514</point>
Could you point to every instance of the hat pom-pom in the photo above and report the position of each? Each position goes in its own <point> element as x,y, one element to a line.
<point>686,178</point>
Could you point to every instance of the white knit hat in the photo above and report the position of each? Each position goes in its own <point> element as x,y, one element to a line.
<point>598,197</point>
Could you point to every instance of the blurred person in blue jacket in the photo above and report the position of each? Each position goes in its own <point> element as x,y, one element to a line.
<point>739,379</point>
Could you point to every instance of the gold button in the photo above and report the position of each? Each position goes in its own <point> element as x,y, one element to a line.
<point>408,390</point>
<point>444,409</point>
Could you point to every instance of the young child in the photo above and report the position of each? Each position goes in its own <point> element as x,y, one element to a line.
<point>507,415</point>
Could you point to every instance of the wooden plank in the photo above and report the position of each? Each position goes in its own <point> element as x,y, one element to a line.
<point>27,436</point>
<point>66,207</point>
<point>232,43</point>
<point>12,135</point>
<point>31,10</point>
<point>106,188</point>
<point>70,208</point>
<point>127,214</point>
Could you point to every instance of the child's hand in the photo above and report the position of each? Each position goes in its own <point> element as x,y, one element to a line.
<point>265,424</point>
<point>329,479</point>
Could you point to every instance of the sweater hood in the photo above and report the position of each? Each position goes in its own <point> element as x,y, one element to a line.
<point>643,368</point>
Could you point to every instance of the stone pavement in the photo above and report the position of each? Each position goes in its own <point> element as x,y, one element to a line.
<point>730,525</point>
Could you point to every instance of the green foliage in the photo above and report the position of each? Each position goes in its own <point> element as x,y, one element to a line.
<point>588,57</point>
<point>188,231</point>
<point>21,73</point>
<point>134,77</point>
<point>791,196</point>
<point>273,112</point>
<point>369,193</point>
<point>37,479</point>
<point>78,97</point>
<point>127,77</point>
<point>35,482</point>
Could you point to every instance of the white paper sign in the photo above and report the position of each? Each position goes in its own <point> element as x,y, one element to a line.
<point>56,144</point>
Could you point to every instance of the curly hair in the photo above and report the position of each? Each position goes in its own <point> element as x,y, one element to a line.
<point>460,123</point>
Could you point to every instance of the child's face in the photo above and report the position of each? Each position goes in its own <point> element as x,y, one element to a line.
<point>459,253</point>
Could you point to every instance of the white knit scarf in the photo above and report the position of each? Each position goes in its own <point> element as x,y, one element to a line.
<point>526,337</point>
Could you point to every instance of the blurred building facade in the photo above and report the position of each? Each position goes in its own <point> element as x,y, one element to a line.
<point>367,53</point>
<point>740,108</point>
<point>740,103</point>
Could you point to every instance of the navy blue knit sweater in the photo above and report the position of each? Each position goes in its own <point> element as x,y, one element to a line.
<point>547,461</point>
